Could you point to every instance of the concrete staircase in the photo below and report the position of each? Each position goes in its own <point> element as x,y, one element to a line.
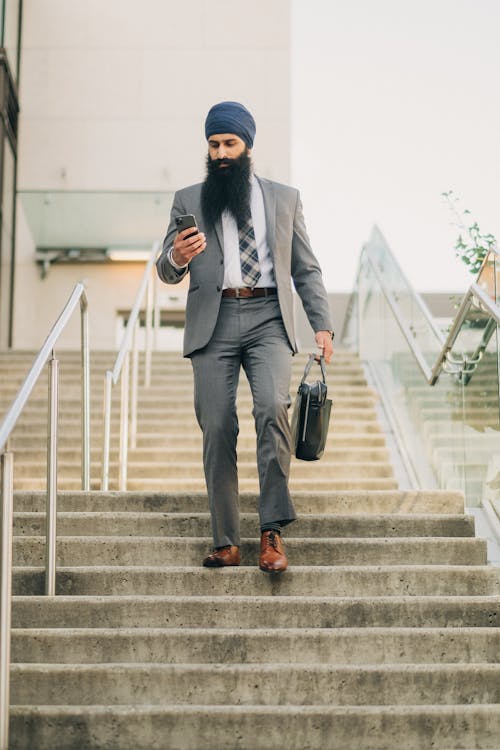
<point>383,633</point>
<point>164,462</point>
<point>167,457</point>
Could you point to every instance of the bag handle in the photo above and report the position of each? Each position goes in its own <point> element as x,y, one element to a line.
<point>314,358</point>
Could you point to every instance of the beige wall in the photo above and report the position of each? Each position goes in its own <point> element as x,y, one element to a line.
<point>113,97</point>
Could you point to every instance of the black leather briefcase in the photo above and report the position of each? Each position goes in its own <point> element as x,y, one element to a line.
<point>311,415</point>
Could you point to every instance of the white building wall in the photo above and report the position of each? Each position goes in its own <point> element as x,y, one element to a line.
<point>113,96</point>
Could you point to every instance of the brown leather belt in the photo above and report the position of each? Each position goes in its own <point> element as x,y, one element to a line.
<point>248,291</point>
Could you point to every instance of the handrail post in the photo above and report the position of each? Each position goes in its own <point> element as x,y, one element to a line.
<point>148,331</point>
<point>156,319</point>
<point>122,370</point>
<point>7,473</point>
<point>134,387</point>
<point>85,397</point>
<point>108,382</point>
<point>124,414</point>
<point>51,512</point>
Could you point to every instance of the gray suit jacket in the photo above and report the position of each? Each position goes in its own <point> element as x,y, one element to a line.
<point>293,258</point>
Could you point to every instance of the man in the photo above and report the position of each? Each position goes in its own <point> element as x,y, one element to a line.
<point>251,242</point>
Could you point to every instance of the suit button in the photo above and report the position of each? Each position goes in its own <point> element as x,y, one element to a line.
<point>218,288</point>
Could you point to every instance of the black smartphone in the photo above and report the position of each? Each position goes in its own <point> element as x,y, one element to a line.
<point>185,222</point>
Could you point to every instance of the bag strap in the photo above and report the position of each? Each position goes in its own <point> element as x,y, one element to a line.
<point>321,362</point>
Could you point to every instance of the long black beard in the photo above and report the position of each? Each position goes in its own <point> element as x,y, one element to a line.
<point>227,188</point>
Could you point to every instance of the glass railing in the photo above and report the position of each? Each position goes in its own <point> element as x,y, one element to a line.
<point>441,389</point>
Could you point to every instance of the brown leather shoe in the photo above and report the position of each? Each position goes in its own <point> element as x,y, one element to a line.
<point>222,557</point>
<point>272,555</point>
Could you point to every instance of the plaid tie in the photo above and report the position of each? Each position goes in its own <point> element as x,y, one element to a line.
<point>249,259</point>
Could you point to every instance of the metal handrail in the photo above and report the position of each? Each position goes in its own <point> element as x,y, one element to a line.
<point>474,292</point>
<point>443,360</point>
<point>78,296</point>
<point>121,370</point>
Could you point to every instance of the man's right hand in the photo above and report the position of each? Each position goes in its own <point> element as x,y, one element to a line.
<point>187,245</point>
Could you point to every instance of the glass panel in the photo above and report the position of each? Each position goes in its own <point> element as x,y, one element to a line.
<point>414,313</point>
<point>429,418</point>
<point>6,239</point>
<point>11,35</point>
<point>451,431</point>
<point>478,342</point>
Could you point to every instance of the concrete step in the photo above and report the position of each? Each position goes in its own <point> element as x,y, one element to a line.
<point>295,727</point>
<point>197,485</point>
<point>154,396</point>
<point>476,399</point>
<point>162,359</point>
<point>357,580</point>
<point>339,453</point>
<point>178,470</point>
<point>149,523</point>
<point>255,611</point>
<point>115,550</point>
<point>173,379</point>
<point>72,425</point>
<point>343,502</point>
<point>170,386</point>
<point>161,371</point>
<point>477,448</point>
<point>247,684</point>
<point>356,645</point>
<point>180,365</point>
<point>163,422</point>
<point>296,484</point>
<point>154,441</point>
<point>475,418</point>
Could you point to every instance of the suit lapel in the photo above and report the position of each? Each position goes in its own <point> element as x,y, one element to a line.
<point>220,235</point>
<point>270,211</point>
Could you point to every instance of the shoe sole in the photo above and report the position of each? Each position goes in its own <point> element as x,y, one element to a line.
<point>267,570</point>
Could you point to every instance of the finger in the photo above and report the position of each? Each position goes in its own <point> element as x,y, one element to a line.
<point>194,250</point>
<point>195,241</point>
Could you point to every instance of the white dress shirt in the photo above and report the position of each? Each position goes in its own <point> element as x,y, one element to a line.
<point>232,263</point>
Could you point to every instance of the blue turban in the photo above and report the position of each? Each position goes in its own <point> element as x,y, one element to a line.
<point>231,117</point>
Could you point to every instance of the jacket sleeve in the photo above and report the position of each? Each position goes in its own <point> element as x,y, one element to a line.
<point>166,271</point>
<point>307,276</point>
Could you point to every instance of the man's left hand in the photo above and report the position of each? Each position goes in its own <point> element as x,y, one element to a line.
<point>325,344</point>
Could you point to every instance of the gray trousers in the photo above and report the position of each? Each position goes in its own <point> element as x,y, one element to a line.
<point>248,333</point>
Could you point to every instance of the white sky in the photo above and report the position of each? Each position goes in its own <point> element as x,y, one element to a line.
<point>393,102</point>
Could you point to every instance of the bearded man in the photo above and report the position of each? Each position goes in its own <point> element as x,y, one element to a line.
<point>251,243</point>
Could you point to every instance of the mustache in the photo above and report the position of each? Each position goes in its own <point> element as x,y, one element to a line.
<point>226,161</point>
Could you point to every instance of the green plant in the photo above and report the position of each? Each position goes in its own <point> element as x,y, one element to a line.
<point>471,246</point>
